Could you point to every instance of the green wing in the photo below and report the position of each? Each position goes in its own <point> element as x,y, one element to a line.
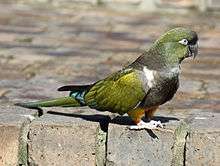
<point>120,92</point>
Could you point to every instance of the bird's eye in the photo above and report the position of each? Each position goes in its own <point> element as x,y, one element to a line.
<point>183,42</point>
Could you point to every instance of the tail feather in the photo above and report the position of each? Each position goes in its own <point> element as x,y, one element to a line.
<point>75,99</point>
<point>74,88</point>
<point>62,102</point>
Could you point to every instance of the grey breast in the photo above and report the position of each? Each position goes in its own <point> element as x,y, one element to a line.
<point>164,87</point>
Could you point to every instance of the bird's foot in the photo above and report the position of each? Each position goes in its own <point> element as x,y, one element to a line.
<point>150,125</point>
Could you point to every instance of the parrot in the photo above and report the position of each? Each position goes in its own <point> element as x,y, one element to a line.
<point>139,88</point>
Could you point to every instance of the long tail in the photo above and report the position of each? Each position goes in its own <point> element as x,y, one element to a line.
<point>62,102</point>
<point>75,99</point>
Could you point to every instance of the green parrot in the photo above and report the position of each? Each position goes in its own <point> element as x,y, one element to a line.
<point>139,88</point>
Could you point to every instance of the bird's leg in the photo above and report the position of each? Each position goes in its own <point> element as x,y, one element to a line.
<point>136,116</point>
<point>149,113</point>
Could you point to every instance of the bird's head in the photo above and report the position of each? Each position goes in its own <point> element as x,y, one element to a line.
<point>178,44</point>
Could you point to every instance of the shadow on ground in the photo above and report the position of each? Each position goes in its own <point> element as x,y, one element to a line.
<point>104,120</point>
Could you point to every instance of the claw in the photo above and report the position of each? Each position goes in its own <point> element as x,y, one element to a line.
<point>150,125</point>
<point>156,123</point>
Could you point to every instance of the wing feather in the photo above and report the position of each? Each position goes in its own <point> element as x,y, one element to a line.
<point>120,92</point>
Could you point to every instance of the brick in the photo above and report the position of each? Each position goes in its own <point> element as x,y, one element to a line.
<point>12,126</point>
<point>129,147</point>
<point>63,140</point>
<point>203,144</point>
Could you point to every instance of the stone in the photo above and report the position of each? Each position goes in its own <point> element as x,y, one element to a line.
<point>203,143</point>
<point>3,92</point>
<point>9,145</point>
<point>37,88</point>
<point>213,87</point>
<point>13,128</point>
<point>64,139</point>
<point>132,147</point>
<point>189,85</point>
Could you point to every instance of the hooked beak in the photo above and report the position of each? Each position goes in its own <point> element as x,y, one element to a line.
<point>193,50</point>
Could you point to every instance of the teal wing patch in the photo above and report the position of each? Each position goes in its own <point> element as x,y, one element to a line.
<point>120,92</point>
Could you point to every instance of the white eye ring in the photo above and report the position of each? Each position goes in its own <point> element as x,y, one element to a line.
<point>183,42</point>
